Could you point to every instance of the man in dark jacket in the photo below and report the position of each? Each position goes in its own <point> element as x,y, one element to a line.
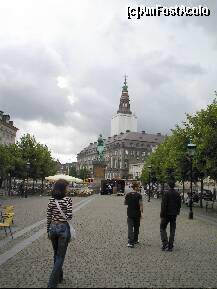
<point>170,208</point>
<point>135,208</point>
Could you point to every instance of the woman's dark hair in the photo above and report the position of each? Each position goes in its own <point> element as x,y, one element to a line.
<point>59,189</point>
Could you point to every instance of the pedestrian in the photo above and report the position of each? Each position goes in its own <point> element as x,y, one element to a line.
<point>21,189</point>
<point>110,189</point>
<point>134,213</point>
<point>59,211</point>
<point>170,208</point>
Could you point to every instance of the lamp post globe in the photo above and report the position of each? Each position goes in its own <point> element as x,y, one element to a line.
<point>191,148</point>
<point>27,172</point>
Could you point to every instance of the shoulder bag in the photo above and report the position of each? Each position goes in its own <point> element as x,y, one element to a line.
<point>72,230</point>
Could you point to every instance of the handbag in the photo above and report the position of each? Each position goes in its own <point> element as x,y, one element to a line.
<point>72,230</point>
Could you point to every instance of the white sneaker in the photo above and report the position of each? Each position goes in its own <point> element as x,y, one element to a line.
<point>130,246</point>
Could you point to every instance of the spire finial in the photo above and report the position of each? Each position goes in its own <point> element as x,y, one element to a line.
<point>125,87</point>
<point>125,77</point>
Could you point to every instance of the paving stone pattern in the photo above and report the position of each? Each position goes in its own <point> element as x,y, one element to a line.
<point>99,257</point>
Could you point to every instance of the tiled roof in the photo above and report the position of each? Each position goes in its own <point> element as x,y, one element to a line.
<point>130,136</point>
<point>137,136</point>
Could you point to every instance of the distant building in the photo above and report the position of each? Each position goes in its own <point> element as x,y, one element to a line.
<point>7,129</point>
<point>122,151</point>
<point>135,170</point>
<point>125,150</point>
<point>65,168</point>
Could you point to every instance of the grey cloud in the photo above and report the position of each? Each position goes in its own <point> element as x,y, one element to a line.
<point>162,86</point>
<point>208,23</point>
<point>28,84</point>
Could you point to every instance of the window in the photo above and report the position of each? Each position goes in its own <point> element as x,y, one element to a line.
<point>126,152</point>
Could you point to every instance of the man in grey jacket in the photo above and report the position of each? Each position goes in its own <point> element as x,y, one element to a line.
<point>170,208</point>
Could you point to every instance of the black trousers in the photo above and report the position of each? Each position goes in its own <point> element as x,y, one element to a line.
<point>133,229</point>
<point>163,226</point>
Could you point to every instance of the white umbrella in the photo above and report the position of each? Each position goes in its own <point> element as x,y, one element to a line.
<point>78,180</point>
<point>63,177</point>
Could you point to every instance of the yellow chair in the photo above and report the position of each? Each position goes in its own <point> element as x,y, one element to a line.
<point>8,212</point>
<point>7,224</point>
<point>8,209</point>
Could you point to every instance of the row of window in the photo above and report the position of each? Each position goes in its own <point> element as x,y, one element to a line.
<point>107,158</point>
<point>112,147</point>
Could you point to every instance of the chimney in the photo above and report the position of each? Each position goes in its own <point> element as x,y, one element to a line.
<point>6,118</point>
<point>11,123</point>
<point>1,114</point>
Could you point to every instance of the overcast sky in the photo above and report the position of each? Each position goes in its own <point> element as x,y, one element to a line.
<point>62,66</point>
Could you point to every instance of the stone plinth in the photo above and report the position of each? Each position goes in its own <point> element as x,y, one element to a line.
<point>99,171</point>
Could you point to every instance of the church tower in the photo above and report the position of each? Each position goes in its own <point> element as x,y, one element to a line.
<point>124,119</point>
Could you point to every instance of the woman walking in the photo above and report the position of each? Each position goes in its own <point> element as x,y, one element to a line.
<point>59,211</point>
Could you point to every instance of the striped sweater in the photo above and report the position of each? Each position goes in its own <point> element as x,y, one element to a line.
<point>53,213</point>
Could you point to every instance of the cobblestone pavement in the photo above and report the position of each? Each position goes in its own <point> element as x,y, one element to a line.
<point>28,210</point>
<point>99,256</point>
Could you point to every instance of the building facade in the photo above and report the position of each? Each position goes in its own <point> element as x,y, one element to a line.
<point>135,170</point>
<point>126,149</point>
<point>121,152</point>
<point>7,129</point>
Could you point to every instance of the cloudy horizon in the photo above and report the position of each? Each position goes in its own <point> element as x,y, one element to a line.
<point>63,64</point>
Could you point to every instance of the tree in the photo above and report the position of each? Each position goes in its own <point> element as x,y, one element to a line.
<point>73,171</point>
<point>84,173</point>
<point>170,159</point>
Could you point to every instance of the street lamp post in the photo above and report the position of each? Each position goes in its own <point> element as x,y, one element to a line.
<point>27,170</point>
<point>191,151</point>
<point>149,182</point>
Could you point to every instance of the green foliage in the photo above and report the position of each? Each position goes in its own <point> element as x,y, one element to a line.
<point>170,160</point>
<point>14,159</point>
<point>73,172</point>
<point>83,173</point>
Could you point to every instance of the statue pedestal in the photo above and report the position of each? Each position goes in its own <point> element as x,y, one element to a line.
<point>99,172</point>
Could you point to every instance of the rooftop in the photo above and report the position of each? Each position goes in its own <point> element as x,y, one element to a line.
<point>130,136</point>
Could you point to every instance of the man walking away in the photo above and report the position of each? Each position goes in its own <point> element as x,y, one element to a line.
<point>21,189</point>
<point>170,208</point>
<point>134,212</point>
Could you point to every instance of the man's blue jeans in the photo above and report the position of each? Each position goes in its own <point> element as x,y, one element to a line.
<point>60,236</point>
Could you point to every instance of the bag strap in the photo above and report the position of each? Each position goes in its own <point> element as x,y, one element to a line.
<point>61,212</point>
